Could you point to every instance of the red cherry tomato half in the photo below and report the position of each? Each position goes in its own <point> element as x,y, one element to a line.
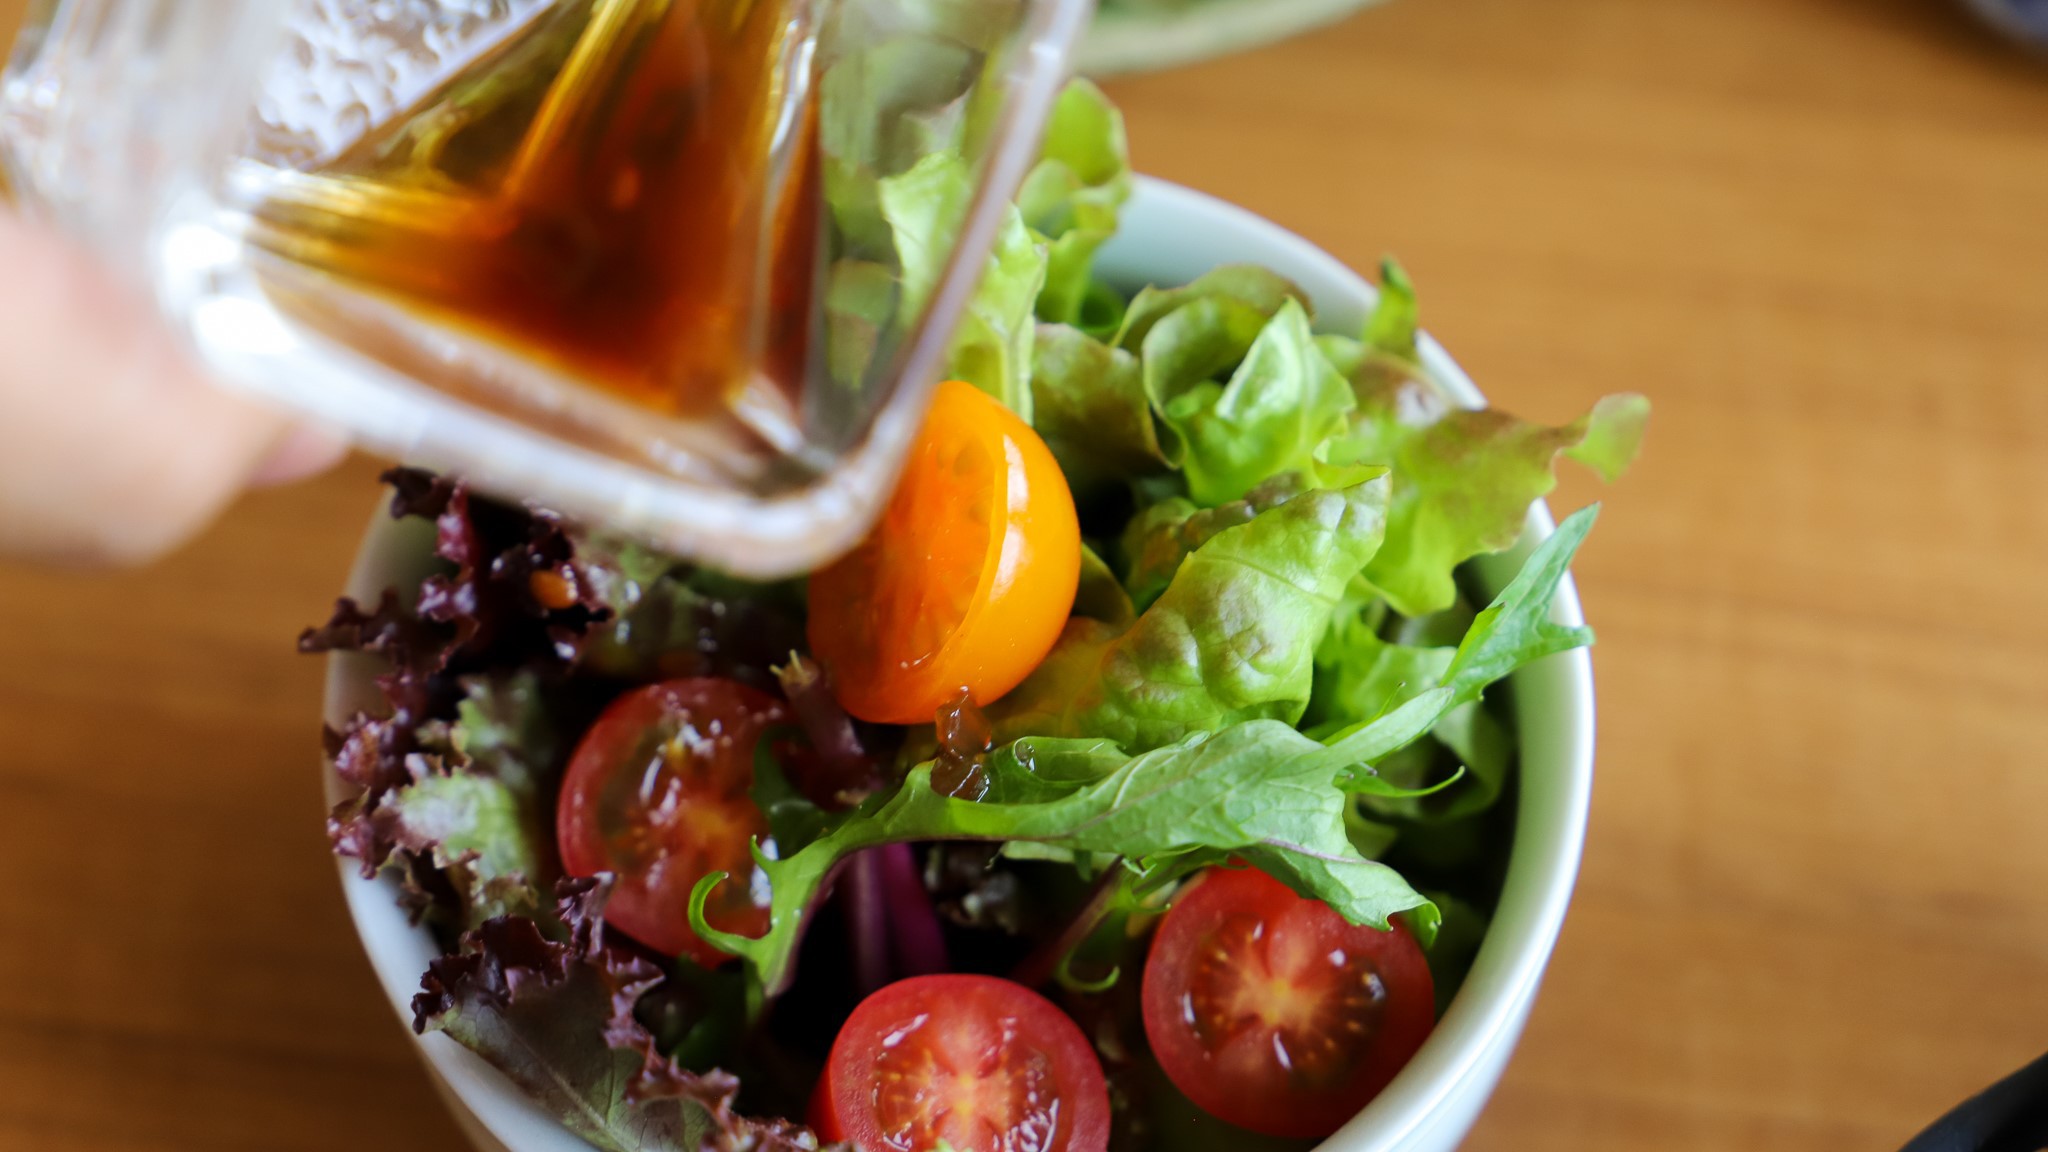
<point>659,794</point>
<point>981,1063</point>
<point>1274,1013</point>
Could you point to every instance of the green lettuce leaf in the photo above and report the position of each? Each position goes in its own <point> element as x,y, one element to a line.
<point>1164,534</point>
<point>1391,348</point>
<point>1043,255</point>
<point>478,831</point>
<point>860,310</point>
<point>1191,348</point>
<point>1259,790</point>
<point>504,727</point>
<point>1101,596</point>
<point>998,333</point>
<point>477,813</point>
<point>1089,404</point>
<point>1464,479</point>
<point>1360,676</point>
<point>881,110</point>
<point>925,209</point>
<point>1192,336</point>
<point>1261,290</point>
<point>1232,638</point>
<point>1614,435</point>
<point>1073,198</point>
<point>1273,417</point>
<point>1394,325</point>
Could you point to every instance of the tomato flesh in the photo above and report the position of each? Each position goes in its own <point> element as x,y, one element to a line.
<point>981,1063</point>
<point>969,577</point>
<point>1272,1012</point>
<point>659,794</point>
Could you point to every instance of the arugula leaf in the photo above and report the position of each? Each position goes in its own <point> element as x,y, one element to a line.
<point>1279,408</point>
<point>1516,628</point>
<point>1090,405</point>
<point>1361,677</point>
<point>1231,639</point>
<point>1371,741</point>
<point>1485,749</point>
<point>1036,769</point>
<point>1259,790</point>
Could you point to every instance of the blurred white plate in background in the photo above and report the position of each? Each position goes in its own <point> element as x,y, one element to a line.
<point>1146,35</point>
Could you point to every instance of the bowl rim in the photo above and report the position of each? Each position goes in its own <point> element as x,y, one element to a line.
<point>1544,860</point>
<point>1550,823</point>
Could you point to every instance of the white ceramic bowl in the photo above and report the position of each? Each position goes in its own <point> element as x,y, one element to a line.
<point>1171,235</point>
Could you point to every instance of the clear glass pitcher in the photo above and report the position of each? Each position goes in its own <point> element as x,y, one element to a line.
<point>687,268</point>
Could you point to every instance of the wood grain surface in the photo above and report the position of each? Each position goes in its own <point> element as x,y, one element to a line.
<point>1814,911</point>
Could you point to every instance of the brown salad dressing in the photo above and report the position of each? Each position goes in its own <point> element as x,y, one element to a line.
<point>624,191</point>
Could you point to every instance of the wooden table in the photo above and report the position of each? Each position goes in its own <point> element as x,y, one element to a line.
<point>1815,903</point>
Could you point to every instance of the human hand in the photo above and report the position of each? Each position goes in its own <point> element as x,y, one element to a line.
<point>114,448</point>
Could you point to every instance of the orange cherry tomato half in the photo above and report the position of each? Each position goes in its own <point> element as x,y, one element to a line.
<point>981,1063</point>
<point>1274,1013</point>
<point>968,579</point>
<point>659,793</point>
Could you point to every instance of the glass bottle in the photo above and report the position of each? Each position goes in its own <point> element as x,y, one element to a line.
<point>686,268</point>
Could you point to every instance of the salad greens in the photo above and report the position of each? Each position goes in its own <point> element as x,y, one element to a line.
<point>1231,639</point>
<point>1258,790</point>
<point>1277,416</point>
<point>1270,661</point>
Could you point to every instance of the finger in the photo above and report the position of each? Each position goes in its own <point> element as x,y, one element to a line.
<point>114,447</point>
<point>306,451</point>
